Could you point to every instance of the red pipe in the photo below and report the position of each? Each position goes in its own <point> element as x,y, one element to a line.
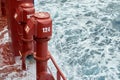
<point>13,26</point>
<point>22,12</point>
<point>42,52</point>
<point>41,26</point>
<point>42,57</point>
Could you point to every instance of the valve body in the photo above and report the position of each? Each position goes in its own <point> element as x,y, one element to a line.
<point>22,15</point>
<point>42,30</point>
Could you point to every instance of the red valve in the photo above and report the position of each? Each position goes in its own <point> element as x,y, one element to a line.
<point>13,26</point>
<point>23,13</point>
<point>40,24</point>
<point>44,25</point>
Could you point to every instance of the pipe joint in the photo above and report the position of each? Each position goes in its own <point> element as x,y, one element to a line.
<point>41,59</point>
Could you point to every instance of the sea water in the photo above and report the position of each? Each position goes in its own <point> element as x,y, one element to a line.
<point>86,37</point>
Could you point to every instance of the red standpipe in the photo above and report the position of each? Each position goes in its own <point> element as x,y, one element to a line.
<point>22,15</point>
<point>13,26</point>
<point>42,31</point>
<point>41,61</point>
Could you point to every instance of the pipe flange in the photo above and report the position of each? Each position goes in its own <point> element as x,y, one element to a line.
<point>41,59</point>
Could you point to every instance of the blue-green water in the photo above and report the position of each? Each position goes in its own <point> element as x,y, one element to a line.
<point>86,37</point>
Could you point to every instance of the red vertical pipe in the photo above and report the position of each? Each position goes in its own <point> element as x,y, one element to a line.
<point>42,34</point>
<point>41,64</point>
<point>26,39</point>
<point>12,25</point>
<point>41,51</point>
<point>27,48</point>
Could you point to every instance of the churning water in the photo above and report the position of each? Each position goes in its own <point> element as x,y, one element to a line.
<point>86,37</point>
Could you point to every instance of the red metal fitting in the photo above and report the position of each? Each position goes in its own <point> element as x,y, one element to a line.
<point>42,59</point>
<point>42,28</point>
<point>23,13</point>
